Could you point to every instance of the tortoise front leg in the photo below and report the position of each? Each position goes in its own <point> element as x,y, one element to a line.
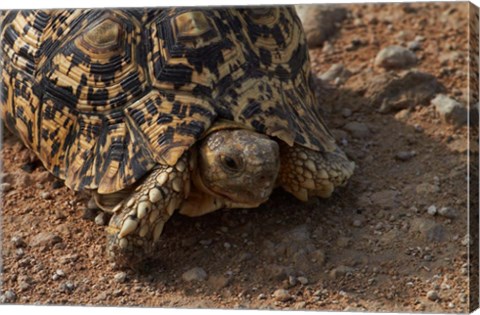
<point>137,222</point>
<point>306,173</point>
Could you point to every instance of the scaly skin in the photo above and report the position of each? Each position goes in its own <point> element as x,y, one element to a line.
<point>137,222</point>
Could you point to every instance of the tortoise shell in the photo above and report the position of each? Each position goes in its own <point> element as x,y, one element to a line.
<point>102,96</point>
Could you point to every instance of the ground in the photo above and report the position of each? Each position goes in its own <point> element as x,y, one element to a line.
<point>385,242</point>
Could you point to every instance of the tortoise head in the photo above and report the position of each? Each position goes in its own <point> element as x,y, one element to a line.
<point>238,165</point>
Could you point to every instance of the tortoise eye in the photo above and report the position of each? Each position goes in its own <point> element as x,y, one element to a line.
<point>232,164</point>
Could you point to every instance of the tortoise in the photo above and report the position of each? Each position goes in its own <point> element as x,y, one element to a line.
<point>156,110</point>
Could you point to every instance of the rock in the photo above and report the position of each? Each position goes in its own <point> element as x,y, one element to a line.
<point>46,195</point>
<point>392,92</point>
<point>303,280</point>
<point>426,188</point>
<point>337,74</point>
<point>5,187</point>
<point>89,214</point>
<point>450,110</point>
<point>432,295</point>
<point>405,155</point>
<point>67,287</point>
<point>281,295</point>
<point>414,45</point>
<point>101,219</point>
<point>357,130</point>
<point>261,296</point>
<point>218,282</point>
<point>8,297</point>
<point>395,57</point>
<point>320,22</point>
<point>357,223</point>
<point>18,241</point>
<point>120,277</point>
<point>46,239</point>
<point>346,112</point>
<point>432,210</point>
<point>194,274</point>
<point>448,212</point>
<point>340,271</point>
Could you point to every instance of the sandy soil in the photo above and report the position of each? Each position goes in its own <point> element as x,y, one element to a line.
<point>372,246</point>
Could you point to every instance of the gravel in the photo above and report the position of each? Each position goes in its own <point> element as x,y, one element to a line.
<point>395,57</point>
<point>195,274</point>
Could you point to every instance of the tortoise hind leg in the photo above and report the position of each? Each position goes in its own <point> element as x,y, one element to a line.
<point>306,173</point>
<point>137,221</point>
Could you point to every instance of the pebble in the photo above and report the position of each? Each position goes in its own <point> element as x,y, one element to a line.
<point>60,273</point>
<point>292,280</point>
<point>450,110</point>
<point>357,130</point>
<point>405,155</point>
<point>346,112</point>
<point>303,280</point>
<point>448,212</point>
<point>101,219</point>
<point>261,296</point>
<point>395,57</point>
<point>432,210</point>
<point>5,187</point>
<point>357,223</point>
<point>18,241</point>
<point>46,195</point>
<point>227,245</point>
<point>67,287</point>
<point>340,271</point>
<point>337,73</point>
<point>320,22</point>
<point>194,274</point>
<point>414,45</point>
<point>45,239</point>
<point>120,277</point>
<point>8,297</point>
<point>432,295</point>
<point>281,295</point>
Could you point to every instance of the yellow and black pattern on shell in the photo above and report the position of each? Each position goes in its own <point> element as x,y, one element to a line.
<point>101,96</point>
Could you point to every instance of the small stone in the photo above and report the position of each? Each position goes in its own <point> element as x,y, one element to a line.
<point>292,280</point>
<point>227,245</point>
<point>46,195</point>
<point>357,130</point>
<point>9,296</point>
<point>5,187</point>
<point>432,210</point>
<point>340,271</point>
<point>395,57</point>
<point>357,223</point>
<point>405,155</point>
<point>414,45</point>
<point>281,295</point>
<point>67,287</point>
<point>120,277</point>
<point>450,110</point>
<point>261,296</point>
<point>101,219</point>
<point>45,239</point>
<point>18,241</point>
<point>448,212</point>
<point>60,273</point>
<point>337,74</point>
<point>346,112</point>
<point>303,280</point>
<point>432,295</point>
<point>194,274</point>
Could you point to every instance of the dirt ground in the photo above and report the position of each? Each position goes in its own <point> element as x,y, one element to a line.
<point>376,244</point>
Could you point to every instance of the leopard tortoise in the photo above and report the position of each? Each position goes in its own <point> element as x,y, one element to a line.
<point>156,110</point>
